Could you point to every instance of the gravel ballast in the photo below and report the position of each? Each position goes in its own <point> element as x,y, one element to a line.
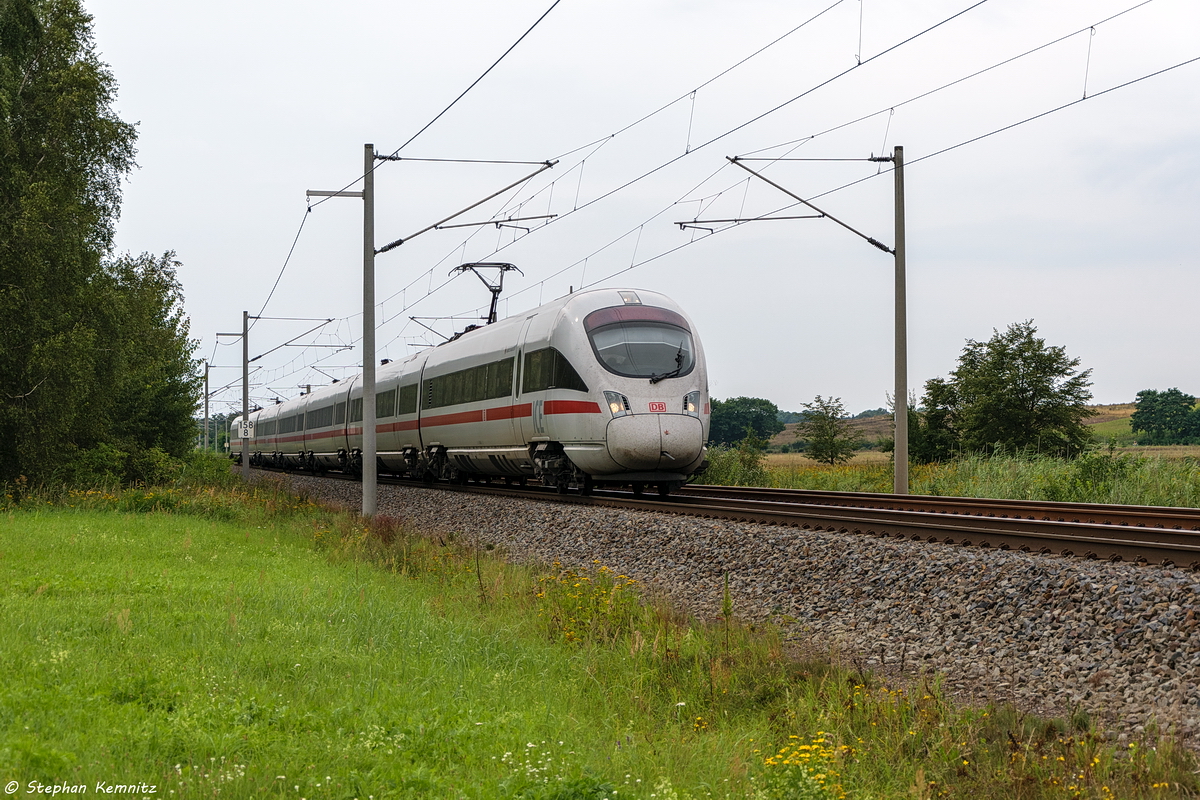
<point>1047,633</point>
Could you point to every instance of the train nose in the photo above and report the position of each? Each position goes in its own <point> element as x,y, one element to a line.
<point>655,441</point>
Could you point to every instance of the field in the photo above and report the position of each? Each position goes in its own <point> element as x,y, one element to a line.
<point>800,460</point>
<point>206,657</point>
<point>1108,423</point>
<point>248,644</point>
<point>1099,477</point>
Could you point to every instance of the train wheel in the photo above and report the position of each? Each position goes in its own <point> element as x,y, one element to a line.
<point>664,489</point>
<point>639,489</point>
<point>586,489</point>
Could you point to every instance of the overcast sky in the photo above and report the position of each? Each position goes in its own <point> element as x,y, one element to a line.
<point>1083,220</point>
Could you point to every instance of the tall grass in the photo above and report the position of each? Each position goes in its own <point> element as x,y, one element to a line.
<point>1096,477</point>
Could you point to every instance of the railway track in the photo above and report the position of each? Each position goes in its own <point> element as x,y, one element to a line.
<point>1153,535</point>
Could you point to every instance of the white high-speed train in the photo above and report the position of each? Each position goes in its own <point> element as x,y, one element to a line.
<point>601,387</point>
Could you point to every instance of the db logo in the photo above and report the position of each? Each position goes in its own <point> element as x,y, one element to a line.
<point>658,406</point>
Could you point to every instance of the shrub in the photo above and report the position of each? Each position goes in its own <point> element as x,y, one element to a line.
<point>744,464</point>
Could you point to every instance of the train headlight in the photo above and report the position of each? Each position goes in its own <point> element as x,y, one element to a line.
<point>691,404</point>
<point>618,403</point>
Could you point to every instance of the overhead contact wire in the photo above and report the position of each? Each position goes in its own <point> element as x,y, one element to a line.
<point>454,102</point>
<point>955,82</point>
<point>282,269</point>
<point>717,138</point>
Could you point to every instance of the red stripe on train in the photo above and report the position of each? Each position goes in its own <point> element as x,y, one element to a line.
<point>509,412</point>
<point>452,419</point>
<point>462,417</point>
<point>572,407</point>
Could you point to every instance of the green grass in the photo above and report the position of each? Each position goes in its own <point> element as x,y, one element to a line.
<point>249,644</point>
<point>204,656</point>
<point>1118,431</point>
<point>1096,477</point>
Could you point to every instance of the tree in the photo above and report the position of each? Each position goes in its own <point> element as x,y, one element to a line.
<point>931,435</point>
<point>156,382</point>
<point>829,436</point>
<point>733,419</point>
<point>1167,417</point>
<point>1014,393</point>
<point>92,352</point>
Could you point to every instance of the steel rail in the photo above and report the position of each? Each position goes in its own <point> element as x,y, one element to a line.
<point>1140,516</point>
<point>1083,539</point>
<point>990,524</point>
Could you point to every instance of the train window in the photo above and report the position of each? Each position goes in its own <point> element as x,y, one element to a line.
<point>549,369</point>
<point>406,400</point>
<point>266,428</point>
<point>356,410</point>
<point>641,342</point>
<point>320,417</point>
<point>339,414</point>
<point>385,404</point>
<point>471,385</point>
<point>500,379</point>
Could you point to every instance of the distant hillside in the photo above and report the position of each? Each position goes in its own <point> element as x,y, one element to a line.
<point>788,417</point>
<point>1107,422</point>
<point>869,429</point>
<point>1111,423</point>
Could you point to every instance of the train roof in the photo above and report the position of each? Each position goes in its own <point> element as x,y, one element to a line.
<point>578,304</point>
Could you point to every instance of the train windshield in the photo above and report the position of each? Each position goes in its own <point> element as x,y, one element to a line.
<point>641,341</point>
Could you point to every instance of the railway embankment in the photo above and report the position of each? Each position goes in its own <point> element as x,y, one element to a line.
<point>1050,634</point>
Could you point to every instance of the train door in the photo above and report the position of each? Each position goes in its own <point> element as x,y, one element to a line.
<point>341,418</point>
<point>516,408</point>
<point>353,398</point>
<point>529,424</point>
